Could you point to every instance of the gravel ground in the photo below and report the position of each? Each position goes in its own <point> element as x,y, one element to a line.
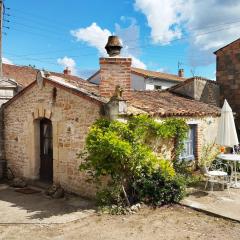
<point>174,222</point>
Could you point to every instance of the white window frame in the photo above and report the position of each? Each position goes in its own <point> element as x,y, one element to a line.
<point>189,151</point>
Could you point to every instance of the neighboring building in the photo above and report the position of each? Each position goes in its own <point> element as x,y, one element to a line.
<point>8,88</point>
<point>228,75</point>
<point>142,79</point>
<point>24,75</point>
<point>200,89</point>
<point>46,123</point>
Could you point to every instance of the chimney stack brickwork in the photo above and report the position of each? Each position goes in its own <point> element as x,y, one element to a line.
<point>115,72</point>
<point>67,71</point>
<point>181,72</point>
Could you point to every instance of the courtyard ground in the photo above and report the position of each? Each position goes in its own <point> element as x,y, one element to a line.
<point>175,222</point>
<point>37,217</point>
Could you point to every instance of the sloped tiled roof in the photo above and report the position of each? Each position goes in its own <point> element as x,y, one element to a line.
<point>62,83</point>
<point>156,103</point>
<point>154,74</point>
<point>150,74</point>
<point>167,104</point>
<point>25,75</point>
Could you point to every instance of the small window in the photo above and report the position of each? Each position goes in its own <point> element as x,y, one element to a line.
<point>157,87</point>
<point>188,152</point>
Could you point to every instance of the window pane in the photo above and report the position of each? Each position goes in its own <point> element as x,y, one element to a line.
<point>188,151</point>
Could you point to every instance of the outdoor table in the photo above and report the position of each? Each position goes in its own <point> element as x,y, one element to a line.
<point>233,158</point>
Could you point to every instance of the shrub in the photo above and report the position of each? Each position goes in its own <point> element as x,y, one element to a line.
<point>109,195</point>
<point>157,190</point>
<point>121,151</point>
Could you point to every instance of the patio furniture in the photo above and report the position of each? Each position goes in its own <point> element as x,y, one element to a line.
<point>217,174</point>
<point>227,134</point>
<point>233,158</point>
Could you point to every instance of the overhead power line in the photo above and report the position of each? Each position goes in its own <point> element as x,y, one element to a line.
<point>131,48</point>
<point>37,17</point>
<point>48,28</point>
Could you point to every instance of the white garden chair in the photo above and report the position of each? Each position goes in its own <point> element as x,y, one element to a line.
<point>217,174</point>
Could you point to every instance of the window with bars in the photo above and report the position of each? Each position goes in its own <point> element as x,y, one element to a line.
<point>188,152</point>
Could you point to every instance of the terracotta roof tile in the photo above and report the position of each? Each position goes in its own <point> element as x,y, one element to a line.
<point>165,104</point>
<point>149,73</point>
<point>158,103</point>
<point>25,75</point>
<point>154,74</point>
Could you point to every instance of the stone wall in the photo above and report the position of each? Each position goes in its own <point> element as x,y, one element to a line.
<point>71,117</point>
<point>228,76</point>
<point>206,91</point>
<point>203,90</point>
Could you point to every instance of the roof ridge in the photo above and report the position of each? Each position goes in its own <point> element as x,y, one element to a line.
<point>38,69</point>
<point>149,73</point>
<point>63,84</point>
<point>147,70</point>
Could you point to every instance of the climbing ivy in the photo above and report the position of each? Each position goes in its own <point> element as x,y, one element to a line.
<point>123,151</point>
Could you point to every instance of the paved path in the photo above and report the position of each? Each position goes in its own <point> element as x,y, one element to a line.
<point>216,202</point>
<point>37,208</point>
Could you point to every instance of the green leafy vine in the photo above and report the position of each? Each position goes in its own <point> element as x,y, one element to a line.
<point>124,152</point>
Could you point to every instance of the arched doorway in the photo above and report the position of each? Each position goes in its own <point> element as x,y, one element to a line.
<point>46,150</point>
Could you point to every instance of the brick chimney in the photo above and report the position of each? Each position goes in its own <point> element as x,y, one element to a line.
<point>181,72</point>
<point>115,71</point>
<point>67,71</point>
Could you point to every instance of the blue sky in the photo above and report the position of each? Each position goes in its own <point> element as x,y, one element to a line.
<point>157,34</point>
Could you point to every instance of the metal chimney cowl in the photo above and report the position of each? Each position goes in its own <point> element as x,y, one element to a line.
<point>113,46</point>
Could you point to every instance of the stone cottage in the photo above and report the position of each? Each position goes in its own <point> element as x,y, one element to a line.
<point>46,124</point>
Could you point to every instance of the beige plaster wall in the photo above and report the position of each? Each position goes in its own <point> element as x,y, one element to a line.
<point>71,117</point>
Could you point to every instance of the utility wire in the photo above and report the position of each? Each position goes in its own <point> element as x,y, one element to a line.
<point>26,14</point>
<point>208,26</point>
<point>39,28</point>
<point>39,22</point>
<point>131,48</point>
<point>215,29</point>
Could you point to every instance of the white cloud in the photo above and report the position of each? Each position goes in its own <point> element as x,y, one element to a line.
<point>137,63</point>
<point>7,61</point>
<point>68,62</point>
<point>209,25</point>
<point>130,39</point>
<point>97,37</point>
<point>164,18</point>
<point>94,36</point>
<point>216,19</point>
<point>163,70</point>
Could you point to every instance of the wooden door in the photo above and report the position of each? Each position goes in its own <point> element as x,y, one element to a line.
<point>46,151</point>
